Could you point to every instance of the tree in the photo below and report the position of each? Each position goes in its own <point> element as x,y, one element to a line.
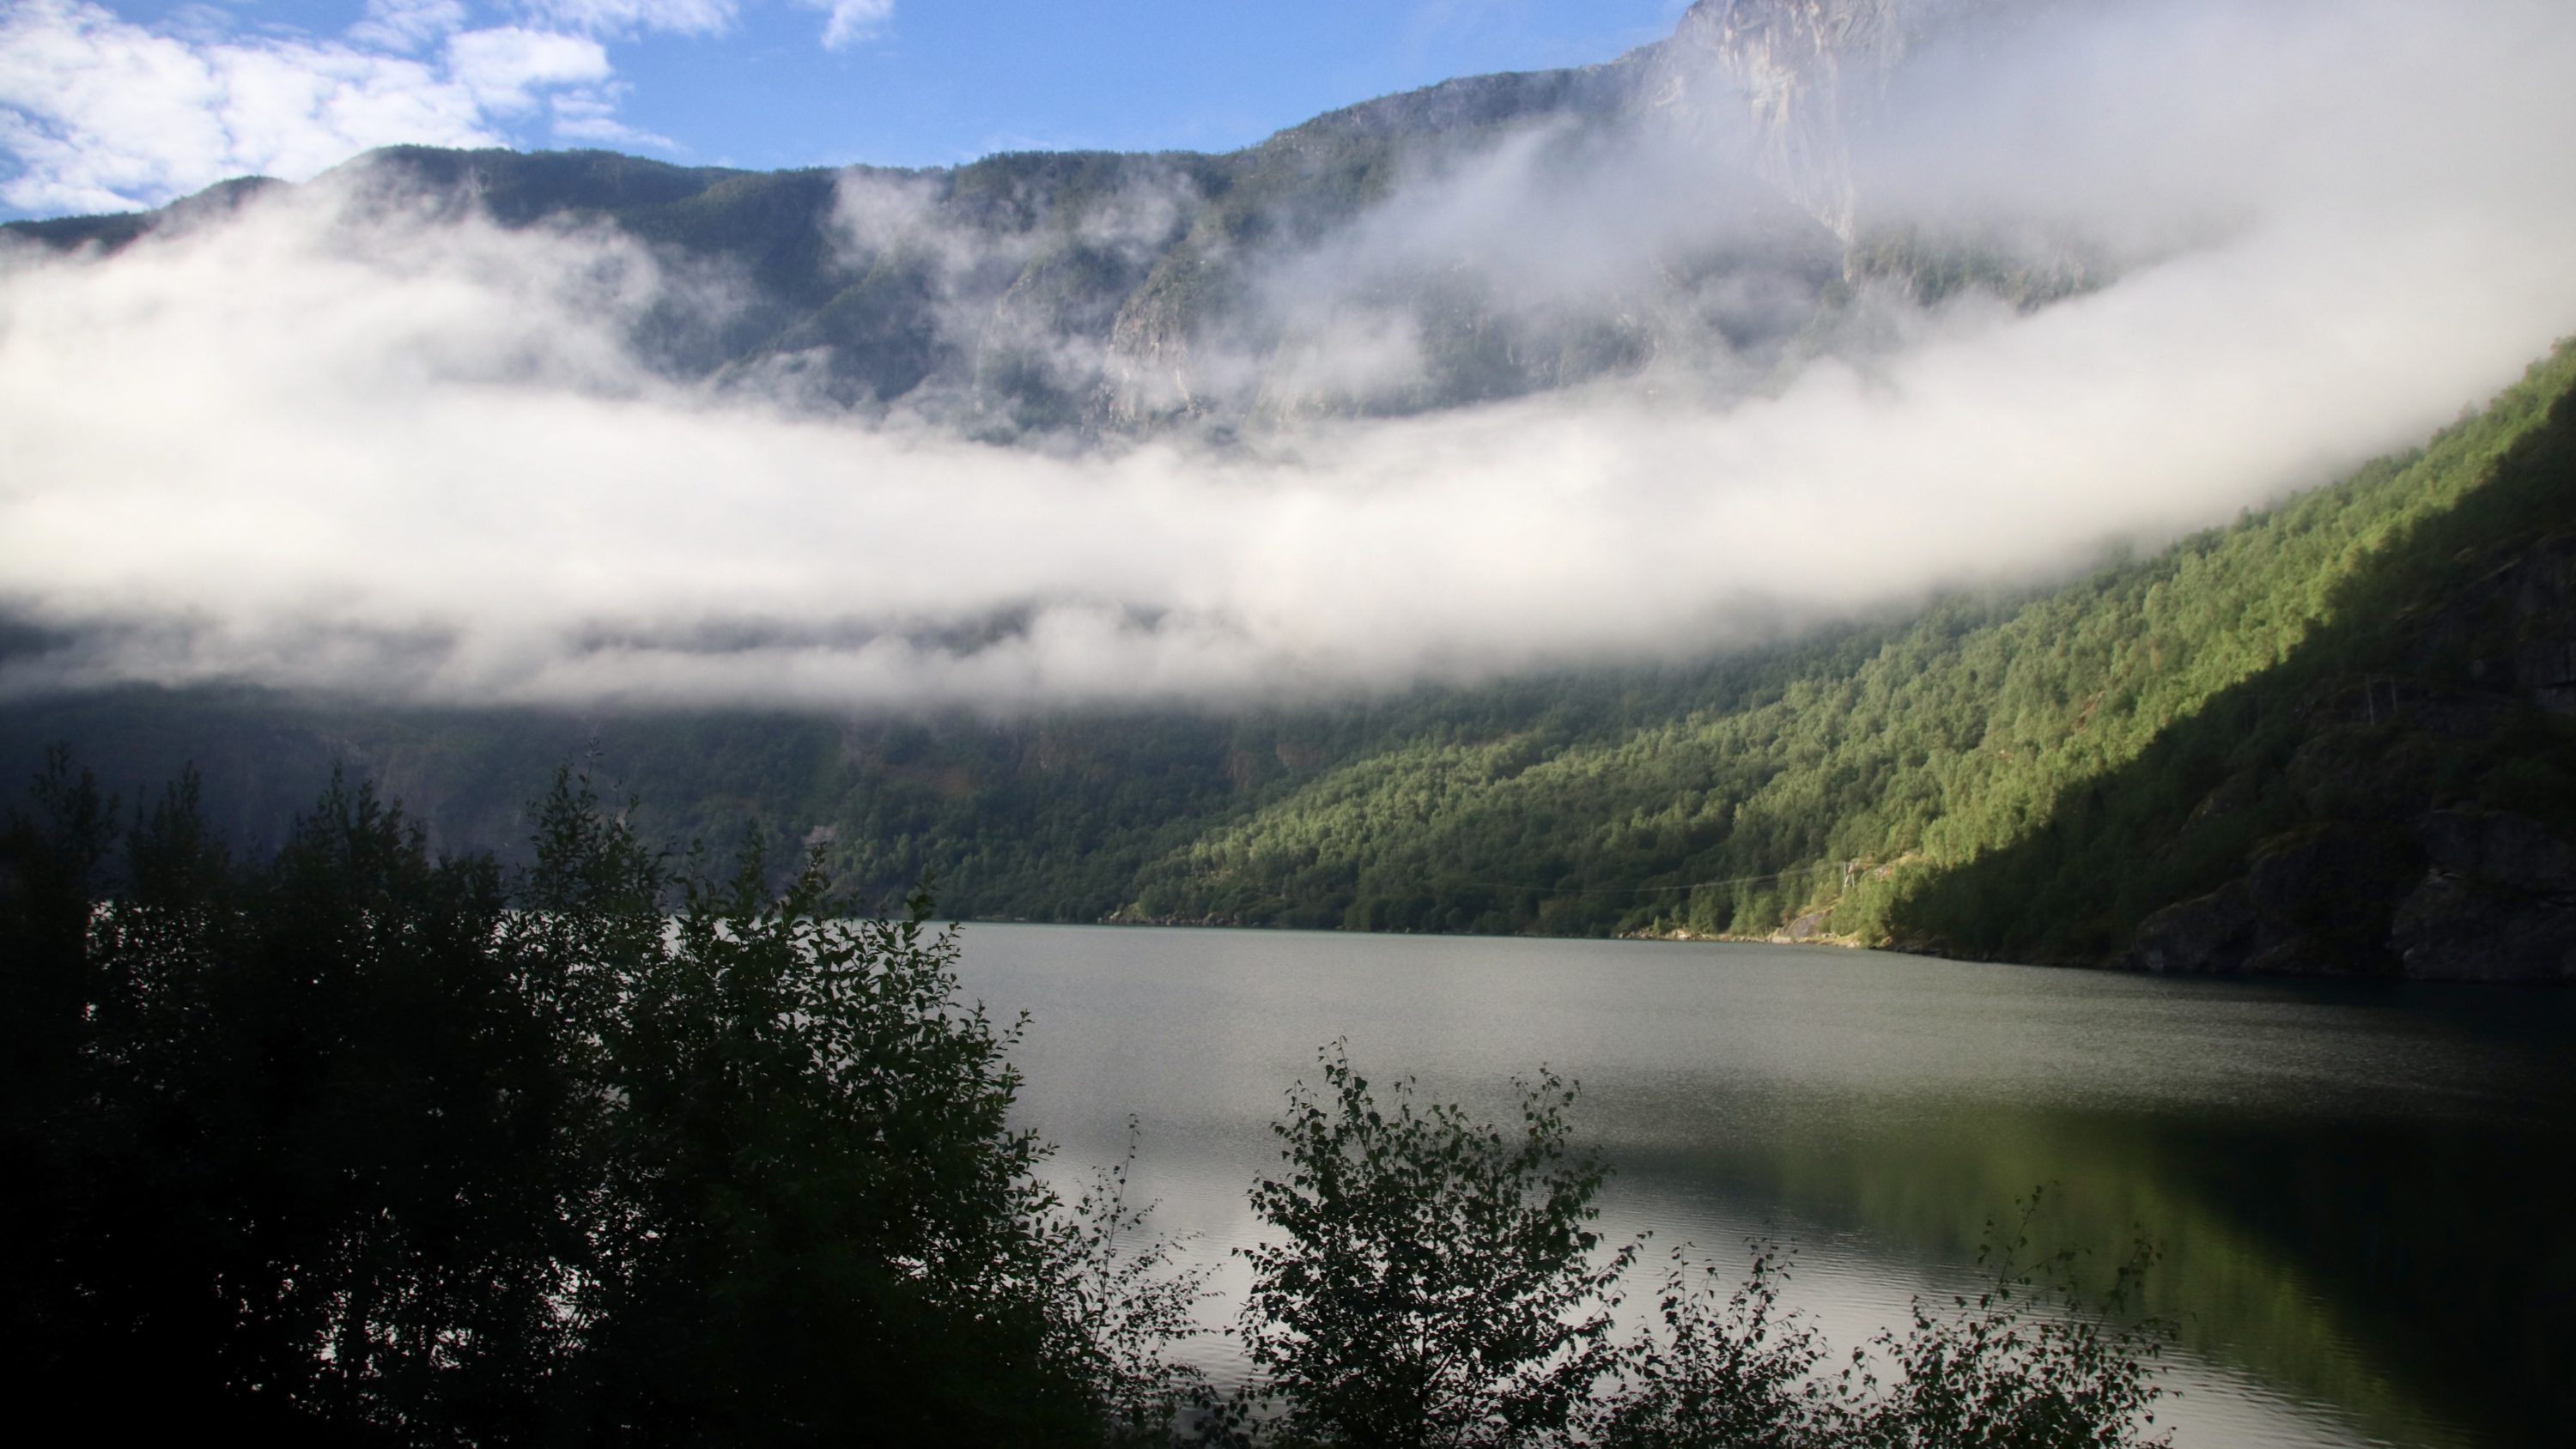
<point>356,1145</point>
<point>1720,1368</point>
<point>1119,1299</point>
<point>1439,1283</point>
<point>821,1218</point>
<point>362,1146</point>
<point>299,1132</point>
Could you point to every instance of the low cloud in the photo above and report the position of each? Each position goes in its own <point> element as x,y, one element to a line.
<point>367,447</point>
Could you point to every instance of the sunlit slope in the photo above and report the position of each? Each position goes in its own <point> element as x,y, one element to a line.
<point>1856,772</point>
<point>2398,794</point>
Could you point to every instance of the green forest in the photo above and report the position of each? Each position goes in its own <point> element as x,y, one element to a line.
<point>2299,696</point>
<point>1982,779</point>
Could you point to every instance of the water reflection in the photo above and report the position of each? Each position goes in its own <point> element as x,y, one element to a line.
<point>2357,1190</point>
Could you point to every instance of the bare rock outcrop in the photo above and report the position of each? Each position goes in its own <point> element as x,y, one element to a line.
<point>2497,901</point>
<point>1800,72</point>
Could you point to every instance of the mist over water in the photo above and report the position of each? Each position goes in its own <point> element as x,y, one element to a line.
<point>356,439</point>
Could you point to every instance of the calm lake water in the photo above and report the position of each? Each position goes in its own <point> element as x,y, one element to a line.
<point>2362,1194</point>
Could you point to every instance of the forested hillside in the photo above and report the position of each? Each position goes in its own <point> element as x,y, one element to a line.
<point>2330,737</point>
<point>2312,689</point>
<point>1995,777</point>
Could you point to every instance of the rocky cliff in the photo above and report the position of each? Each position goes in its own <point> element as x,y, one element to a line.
<point>1799,72</point>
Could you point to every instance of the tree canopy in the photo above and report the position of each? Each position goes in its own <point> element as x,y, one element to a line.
<point>364,1139</point>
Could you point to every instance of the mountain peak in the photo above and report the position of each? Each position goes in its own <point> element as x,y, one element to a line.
<point>1799,66</point>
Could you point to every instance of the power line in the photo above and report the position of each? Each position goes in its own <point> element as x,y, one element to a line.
<point>1558,892</point>
<point>1649,890</point>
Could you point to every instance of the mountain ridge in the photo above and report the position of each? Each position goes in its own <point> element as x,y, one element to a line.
<point>1110,295</point>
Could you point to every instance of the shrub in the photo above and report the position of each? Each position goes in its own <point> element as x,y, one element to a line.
<point>1721,1365</point>
<point>1439,1282</point>
<point>2031,1362</point>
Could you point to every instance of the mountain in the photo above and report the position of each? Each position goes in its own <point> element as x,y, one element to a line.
<point>1033,292</point>
<point>2333,737</point>
<point>2338,736</point>
<point>1092,295</point>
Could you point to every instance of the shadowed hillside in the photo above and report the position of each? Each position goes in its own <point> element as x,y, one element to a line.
<point>1838,792</point>
<point>2397,794</point>
<point>1092,293</point>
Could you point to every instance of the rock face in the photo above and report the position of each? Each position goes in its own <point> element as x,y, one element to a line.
<point>2415,859</point>
<point>1795,87</point>
<point>2312,904</point>
<point>2203,936</point>
<point>1803,69</point>
<point>2479,896</point>
<point>2497,901</point>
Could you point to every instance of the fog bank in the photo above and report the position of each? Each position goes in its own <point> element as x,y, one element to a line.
<point>353,442</point>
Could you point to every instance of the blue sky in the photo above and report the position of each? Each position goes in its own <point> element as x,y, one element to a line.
<point>111,106</point>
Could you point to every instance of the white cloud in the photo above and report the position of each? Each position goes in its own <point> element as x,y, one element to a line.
<point>337,447</point>
<point>625,17</point>
<point>590,116</point>
<point>504,69</point>
<point>407,25</point>
<point>848,22</point>
<point>100,114</point>
<point>103,115</point>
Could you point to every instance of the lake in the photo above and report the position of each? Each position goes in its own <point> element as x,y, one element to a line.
<point>2361,1191</point>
